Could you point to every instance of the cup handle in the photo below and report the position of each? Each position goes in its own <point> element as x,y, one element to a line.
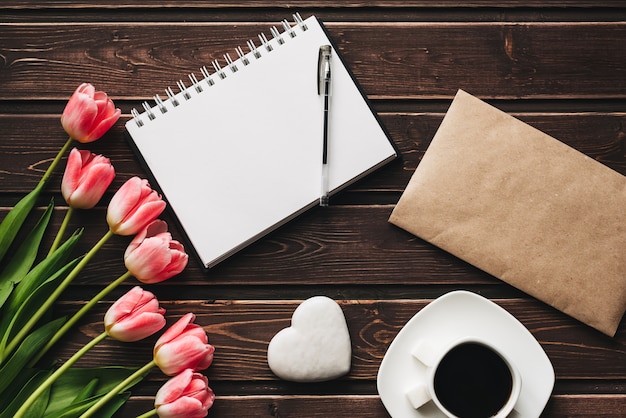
<point>425,353</point>
<point>418,395</point>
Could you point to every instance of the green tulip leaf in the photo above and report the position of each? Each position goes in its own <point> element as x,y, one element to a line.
<point>72,393</point>
<point>76,410</point>
<point>24,257</point>
<point>14,365</point>
<point>76,378</point>
<point>38,408</point>
<point>69,393</point>
<point>32,303</point>
<point>24,290</point>
<point>21,388</point>
<point>12,223</point>
<point>87,391</point>
<point>39,274</point>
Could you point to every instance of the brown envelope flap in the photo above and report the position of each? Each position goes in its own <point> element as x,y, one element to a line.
<point>525,208</point>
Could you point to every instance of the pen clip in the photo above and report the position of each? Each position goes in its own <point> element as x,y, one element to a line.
<point>323,69</point>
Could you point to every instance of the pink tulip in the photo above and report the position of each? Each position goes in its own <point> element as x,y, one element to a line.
<point>152,256</point>
<point>183,346</point>
<point>133,207</point>
<point>89,114</point>
<point>186,395</point>
<point>134,316</point>
<point>87,176</point>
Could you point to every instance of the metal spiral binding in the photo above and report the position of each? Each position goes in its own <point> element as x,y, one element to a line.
<point>207,76</point>
<point>253,49</point>
<point>194,82</point>
<point>276,35</point>
<point>218,69</point>
<point>288,28</point>
<point>171,96</point>
<point>230,63</point>
<point>160,104</point>
<point>146,106</point>
<point>173,99</point>
<point>135,114</point>
<point>183,89</point>
<point>265,42</point>
<point>242,56</point>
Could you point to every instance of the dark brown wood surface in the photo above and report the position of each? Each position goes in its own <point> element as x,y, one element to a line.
<point>560,66</point>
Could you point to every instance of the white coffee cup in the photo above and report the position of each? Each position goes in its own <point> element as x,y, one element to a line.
<point>464,374</point>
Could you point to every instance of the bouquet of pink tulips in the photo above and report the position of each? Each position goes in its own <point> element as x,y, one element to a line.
<point>30,283</point>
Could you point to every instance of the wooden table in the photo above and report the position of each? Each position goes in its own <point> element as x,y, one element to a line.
<point>560,67</point>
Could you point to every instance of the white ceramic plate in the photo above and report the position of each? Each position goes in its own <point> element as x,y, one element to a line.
<point>452,316</point>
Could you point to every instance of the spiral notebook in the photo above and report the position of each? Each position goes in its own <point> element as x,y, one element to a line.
<point>238,152</point>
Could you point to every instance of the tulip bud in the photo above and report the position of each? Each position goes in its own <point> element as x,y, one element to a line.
<point>89,114</point>
<point>133,207</point>
<point>134,316</point>
<point>183,346</point>
<point>152,256</point>
<point>185,395</point>
<point>87,176</point>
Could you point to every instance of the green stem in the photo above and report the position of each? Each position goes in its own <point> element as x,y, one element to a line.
<point>72,321</point>
<point>58,372</point>
<point>44,179</point>
<point>55,162</point>
<point>61,232</point>
<point>54,296</point>
<point>117,389</point>
<point>148,414</point>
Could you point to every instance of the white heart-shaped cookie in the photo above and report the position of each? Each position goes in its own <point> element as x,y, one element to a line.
<point>316,347</point>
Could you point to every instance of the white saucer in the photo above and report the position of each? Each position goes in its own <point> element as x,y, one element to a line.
<point>448,318</point>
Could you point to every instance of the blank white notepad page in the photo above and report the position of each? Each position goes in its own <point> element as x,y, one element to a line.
<point>243,155</point>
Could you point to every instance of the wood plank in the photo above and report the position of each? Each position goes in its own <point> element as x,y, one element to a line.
<point>559,406</point>
<point>240,330</point>
<point>280,406</point>
<point>221,13</point>
<point>29,4</point>
<point>417,60</point>
<point>337,246</point>
<point>358,242</point>
<point>30,142</point>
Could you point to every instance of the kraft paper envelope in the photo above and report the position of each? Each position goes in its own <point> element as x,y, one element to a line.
<point>524,207</point>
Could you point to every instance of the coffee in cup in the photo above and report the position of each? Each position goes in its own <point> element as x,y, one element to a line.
<point>466,379</point>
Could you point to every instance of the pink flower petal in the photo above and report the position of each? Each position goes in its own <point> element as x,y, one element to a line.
<point>72,172</point>
<point>149,259</point>
<point>78,116</point>
<point>184,352</point>
<point>124,200</point>
<point>175,330</point>
<point>102,127</point>
<point>183,408</point>
<point>95,182</point>
<point>134,316</point>
<point>173,388</point>
<point>140,217</point>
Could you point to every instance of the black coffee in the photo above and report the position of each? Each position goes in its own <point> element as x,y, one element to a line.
<point>472,381</point>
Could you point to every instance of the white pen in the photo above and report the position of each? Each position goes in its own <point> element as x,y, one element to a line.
<point>323,88</point>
